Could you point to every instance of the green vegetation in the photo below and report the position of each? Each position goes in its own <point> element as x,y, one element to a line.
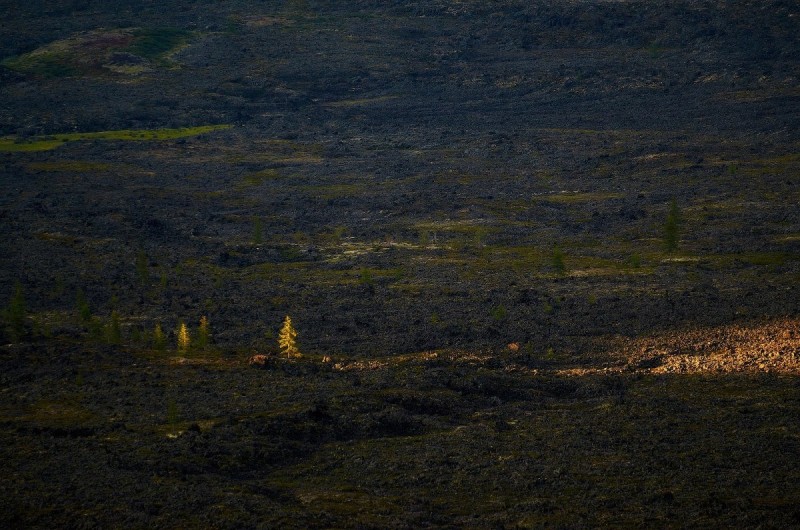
<point>424,238</point>
<point>578,197</point>
<point>172,412</point>
<point>203,333</point>
<point>93,53</point>
<point>366,278</point>
<point>359,102</point>
<point>14,145</point>
<point>45,143</point>
<point>15,314</point>
<point>258,178</point>
<point>142,268</point>
<point>655,50</point>
<point>334,191</point>
<point>155,44</point>
<point>258,230</point>
<point>557,260</point>
<point>64,413</point>
<point>82,305</point>
<point>159,340</point>
<point>499,313</point>
<point>113,331</point>
<point>43,64</point>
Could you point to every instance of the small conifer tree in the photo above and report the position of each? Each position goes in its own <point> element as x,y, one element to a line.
<point>84,313</point>
<point>159,342</point>
<point>142,268</point>
<point>286,339</point>
<point>183,338</point>
<point>15,313</point>
<point>203,333</point>
<point>258,231</point>
<point>114,329</point>
<point>172,412</point>
<point>58,288</point>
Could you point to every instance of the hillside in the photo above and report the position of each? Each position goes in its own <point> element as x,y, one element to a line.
<point>542,258</point>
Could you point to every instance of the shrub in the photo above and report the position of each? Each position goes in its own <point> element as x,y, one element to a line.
<point>15,314</point>
<point>365,278</point>
<point>499,313</point>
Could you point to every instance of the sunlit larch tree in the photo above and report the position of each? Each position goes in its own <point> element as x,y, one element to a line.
<point>286,339</point>
<point>183,338</point>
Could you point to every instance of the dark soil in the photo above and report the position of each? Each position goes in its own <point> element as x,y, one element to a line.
<point>465,207</point>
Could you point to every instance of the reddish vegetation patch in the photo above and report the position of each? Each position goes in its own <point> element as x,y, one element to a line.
<point>105,41</point>
<point>767,347</point>
<point>258,360</point>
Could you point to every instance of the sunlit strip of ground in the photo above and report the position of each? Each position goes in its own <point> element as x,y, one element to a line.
<point>772,346</point>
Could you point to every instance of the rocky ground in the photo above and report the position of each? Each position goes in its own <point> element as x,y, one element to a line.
<point>551,249</point>
<point>105,436</point>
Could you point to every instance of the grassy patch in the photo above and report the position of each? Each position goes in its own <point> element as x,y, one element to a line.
<point>155,44</point>
<point>258,178</point>
<point>539,261</point>
<point>756,258</point>
<point>14,145</point>
<point>56,414</point>
<point>574,197</point>
<point>278,151</point>
<point>101,52</point>
<point>47,64</point>
<point>45,143</point>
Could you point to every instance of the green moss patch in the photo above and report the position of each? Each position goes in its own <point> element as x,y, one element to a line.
<point>45,143</point>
